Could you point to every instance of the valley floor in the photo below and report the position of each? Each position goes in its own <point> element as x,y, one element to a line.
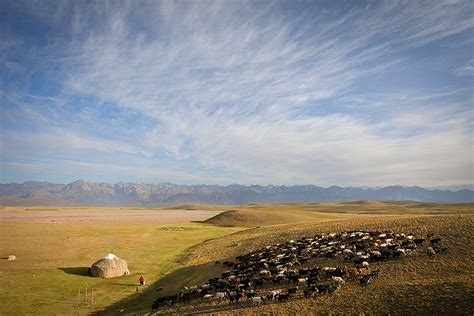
<point>54,247</point>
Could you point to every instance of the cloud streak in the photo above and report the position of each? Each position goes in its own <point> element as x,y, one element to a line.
<point>251,92</point>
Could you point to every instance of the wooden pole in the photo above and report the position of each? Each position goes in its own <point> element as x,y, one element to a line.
<point>78,297</point>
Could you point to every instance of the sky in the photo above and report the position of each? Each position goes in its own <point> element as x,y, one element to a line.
<point>348,93</point>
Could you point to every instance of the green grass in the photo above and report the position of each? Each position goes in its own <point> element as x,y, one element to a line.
<point>53,259</point>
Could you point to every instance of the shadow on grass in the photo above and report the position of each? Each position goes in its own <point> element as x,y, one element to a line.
<point>125,284</point>
<point>170,284</point>
<point>446,298</point>
<point>84,271</point>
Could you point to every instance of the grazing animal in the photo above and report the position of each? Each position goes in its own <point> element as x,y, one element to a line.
<point>274,294</point>
<point>440,249</point>
<point>283,297</point>
<point>399,252</point>
<point>276,264</point>
<point>339,280</point>
<point>419,241</point>
<point>292,290</point>
<point>366,279</point>
<point>323,288</point>
<point>235,297</point>
<point>431,251</point>
<point>302,281</point>
<point>310,291</point>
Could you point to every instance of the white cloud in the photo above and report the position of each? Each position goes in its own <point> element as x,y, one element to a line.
<point>250,90</point>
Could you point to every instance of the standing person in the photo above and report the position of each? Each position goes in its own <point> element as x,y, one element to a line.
<point>142,280</point>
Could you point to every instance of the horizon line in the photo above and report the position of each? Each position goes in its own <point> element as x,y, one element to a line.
<point>465,186</point>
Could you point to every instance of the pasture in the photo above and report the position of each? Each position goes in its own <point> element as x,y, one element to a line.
<point>55,247</point>
<point>178,247</point>
<point>415,285</point>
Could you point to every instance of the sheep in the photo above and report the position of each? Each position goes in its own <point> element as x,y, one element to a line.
<point>234,297</point>
<point>375,254</point>
<point>366,279</point>
<point>418,241</point>
<point>339,280</point>
<point>328,270</point>
<point>302,281</point>
<point>283,297</point>
<point>431,251</point>
<point>439,250</point>
<point>399,252</point>
<point>274,294</point>
<point>273,265</point>
<point>347,252</point>
<point>292,290</point>
<point>310,291</point>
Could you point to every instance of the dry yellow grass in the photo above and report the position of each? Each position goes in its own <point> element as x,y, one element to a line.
<point>416,285</point>
<point>272,214</point>
<point>34,284</point>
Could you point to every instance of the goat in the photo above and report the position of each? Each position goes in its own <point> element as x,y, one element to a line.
<point>339,280</point>
<point>366,279</point>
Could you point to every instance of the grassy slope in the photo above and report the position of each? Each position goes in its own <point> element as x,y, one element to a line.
<point>415,285</point>
<point>268,214</point>
<point>53,259</point>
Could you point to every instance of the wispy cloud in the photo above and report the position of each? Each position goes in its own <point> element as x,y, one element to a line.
<point>246,92</point>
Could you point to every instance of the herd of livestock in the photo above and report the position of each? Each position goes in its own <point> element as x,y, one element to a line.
<point>278,272</point>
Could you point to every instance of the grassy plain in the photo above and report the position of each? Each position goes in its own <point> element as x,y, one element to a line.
<point>55,246</point>
<point>54,253</point>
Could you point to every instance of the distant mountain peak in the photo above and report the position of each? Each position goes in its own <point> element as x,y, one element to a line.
<point>82,192</point>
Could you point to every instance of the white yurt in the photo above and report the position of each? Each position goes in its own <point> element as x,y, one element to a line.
<point>109,266</point>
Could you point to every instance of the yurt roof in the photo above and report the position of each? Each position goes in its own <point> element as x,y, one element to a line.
<point>110,256</point>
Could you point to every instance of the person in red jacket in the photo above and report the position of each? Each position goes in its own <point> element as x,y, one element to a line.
<point>141,280</point>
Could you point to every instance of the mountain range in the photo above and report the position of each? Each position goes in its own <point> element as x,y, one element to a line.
<point>86,193</point>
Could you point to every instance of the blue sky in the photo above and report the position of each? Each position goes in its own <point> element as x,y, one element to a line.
<point>302,92</point>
